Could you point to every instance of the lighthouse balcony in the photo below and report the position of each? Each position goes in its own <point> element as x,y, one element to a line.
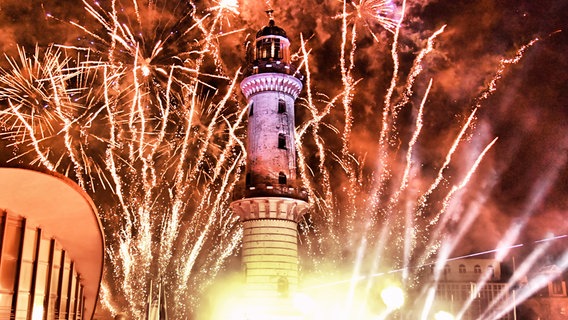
<point>273,66</point>
<point>270,190</point>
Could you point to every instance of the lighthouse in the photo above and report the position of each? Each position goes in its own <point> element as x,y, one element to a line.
<point>271,201</point>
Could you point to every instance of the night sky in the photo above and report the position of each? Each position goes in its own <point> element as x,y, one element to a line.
<point>528,112</point>
<point>524,176</point>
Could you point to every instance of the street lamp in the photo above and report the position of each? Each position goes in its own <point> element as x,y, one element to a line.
<point>393,297</point>
<point>443,315</point>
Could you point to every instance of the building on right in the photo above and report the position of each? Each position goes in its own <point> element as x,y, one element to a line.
<point>471,289</point>
<point>550,302</point>
<point>468,286</point>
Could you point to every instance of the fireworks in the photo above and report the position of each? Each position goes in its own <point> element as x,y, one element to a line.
<point>143,112</point>
<point>373,12</point>
<point>134,125</point>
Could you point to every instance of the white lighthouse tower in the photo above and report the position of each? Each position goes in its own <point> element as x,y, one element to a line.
<point>271,203</point>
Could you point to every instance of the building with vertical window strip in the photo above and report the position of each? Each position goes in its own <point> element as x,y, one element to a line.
<point>52,247</point>
<point>467,287</point>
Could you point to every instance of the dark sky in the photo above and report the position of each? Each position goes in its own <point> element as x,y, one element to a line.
<point>528,112</point>
<point>523,179</point>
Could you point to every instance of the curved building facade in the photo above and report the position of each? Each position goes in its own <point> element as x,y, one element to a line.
<point>52,247</point>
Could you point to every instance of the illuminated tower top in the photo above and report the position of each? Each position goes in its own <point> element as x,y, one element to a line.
<point>271,51</point>
<point>271,86</point>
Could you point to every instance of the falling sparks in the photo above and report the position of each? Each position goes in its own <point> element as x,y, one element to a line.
<point>138,134</point>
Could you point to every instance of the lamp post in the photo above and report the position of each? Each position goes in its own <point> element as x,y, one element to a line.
<point>443,315</point>
<point>393,297</point>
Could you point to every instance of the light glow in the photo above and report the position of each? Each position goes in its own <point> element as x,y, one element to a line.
<point>443,315</point>
<point>393,297</point>
<point>229,5</point>
<point>37,312</point>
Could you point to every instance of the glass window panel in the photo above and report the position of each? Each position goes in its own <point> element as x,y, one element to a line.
<point>79,309</point>
<point>5,305</point>
<point>41,279</point>
<point>55,274</point>
<point>281,106</point>
<point>22,303</point>
<point>44,250</point>
<point>557,287</point>
<point>29,245</point>
<point>72,295</point>
<point>281,178</point>
<point>13,233</point>
<point>11,248</point>
<point>24,285</point>
<point>269,48</point>
<point>281,141</point>
<point>64,288</point>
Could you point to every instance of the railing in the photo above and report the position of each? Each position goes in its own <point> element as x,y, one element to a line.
<point>269,190</point>
<point>261,66</point>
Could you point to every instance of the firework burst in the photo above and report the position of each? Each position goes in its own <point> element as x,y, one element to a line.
<point>132,119</point>
<point>373,13</point>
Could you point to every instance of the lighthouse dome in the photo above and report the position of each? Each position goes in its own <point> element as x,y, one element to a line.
<point>271,30</point>
<point>271,51</point>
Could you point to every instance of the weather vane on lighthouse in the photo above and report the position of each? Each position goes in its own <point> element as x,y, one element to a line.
<point>272,202</point>
<point>269,13</point>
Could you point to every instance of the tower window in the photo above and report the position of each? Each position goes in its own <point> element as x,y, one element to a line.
<point>447,269</point>
<point>557,287</point>
<point>247,179</point>
<point>281,106</point>
<point>491,271</point>
<point>251,111</point>
<point>281,141</point>
<point>268,48</point>
<point>281,178</point>
<point>477,269</point>
<point>283,286</point>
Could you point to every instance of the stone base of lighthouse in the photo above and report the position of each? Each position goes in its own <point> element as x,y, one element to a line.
<point>270,255</point>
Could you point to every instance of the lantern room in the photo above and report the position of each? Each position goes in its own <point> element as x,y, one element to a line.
<point>272,43</point>
<point>271,51</point>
